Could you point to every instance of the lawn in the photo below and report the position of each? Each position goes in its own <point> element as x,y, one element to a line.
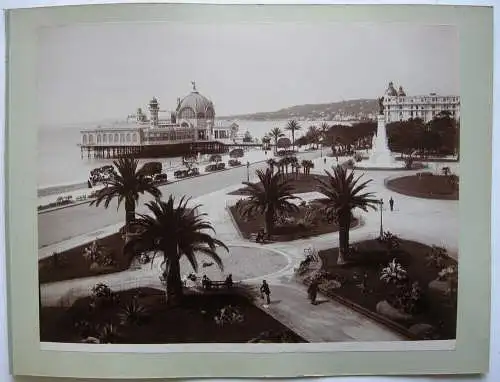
<point>425,186</point>
<point>301,183</point>
<point>71,264</point>
<point>296,229</point>
<point>370,257</point>
<point>193,322</point>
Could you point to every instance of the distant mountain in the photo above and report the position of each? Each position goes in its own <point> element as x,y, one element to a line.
<point>355,109</point>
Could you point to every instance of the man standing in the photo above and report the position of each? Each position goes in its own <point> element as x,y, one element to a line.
<point>391,203</point>
<point>312,291</point>
<point>265,291</point>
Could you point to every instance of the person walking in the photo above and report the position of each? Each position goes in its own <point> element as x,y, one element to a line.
<point>312,291</point>
<point>265,291</point>
<point>391,203</point>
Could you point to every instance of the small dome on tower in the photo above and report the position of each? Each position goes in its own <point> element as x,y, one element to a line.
<point>401,92</point>
<point>390,90</point>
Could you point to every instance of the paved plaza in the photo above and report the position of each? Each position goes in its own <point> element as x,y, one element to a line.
<point>424,220</point>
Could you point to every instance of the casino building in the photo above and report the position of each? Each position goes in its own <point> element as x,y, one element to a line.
<point>191,128</point>
<point>400,107</point>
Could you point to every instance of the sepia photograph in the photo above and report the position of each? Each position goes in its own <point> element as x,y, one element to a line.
<point>247,182</point>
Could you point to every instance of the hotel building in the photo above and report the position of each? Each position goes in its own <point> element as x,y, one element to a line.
<point>400,107</point>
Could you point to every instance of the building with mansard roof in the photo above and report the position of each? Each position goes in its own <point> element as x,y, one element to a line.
<point>398,106</point>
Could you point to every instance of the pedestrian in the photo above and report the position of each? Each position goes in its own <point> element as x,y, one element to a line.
<point>391,203</point>
<point>324,160</point>
<point>312,291</point>
<point>265,291</point>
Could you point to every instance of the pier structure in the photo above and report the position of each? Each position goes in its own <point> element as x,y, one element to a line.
<point>190,129</point>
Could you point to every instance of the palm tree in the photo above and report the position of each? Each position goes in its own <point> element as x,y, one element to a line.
<point>271,163</point>
<point>175,231</point>
<point>276,134</point>
<point>313,135</point>
<point>343,194</point>
<point>126,185</point>
<point>293,126</point>
<point>268,197</point>
<point>307,164</point>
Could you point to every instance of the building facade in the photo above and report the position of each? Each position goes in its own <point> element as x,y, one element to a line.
<point>400,107</point>
<point>190,128</point>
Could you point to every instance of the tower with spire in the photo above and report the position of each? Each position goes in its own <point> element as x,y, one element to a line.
<point>154,108</point>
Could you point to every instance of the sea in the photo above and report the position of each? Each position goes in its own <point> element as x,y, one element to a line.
<point>61,167</point>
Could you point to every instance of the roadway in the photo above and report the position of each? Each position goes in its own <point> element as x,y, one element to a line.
<point>66,223</point>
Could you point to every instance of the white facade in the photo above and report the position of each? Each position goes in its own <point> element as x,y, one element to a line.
<point>400,107</point>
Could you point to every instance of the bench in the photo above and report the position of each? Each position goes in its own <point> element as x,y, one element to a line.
<point>218,285</point>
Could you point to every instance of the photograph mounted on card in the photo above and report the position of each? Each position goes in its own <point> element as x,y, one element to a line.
<point>294,190</point>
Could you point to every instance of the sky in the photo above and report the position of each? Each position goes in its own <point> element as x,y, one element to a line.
<point>95,72</point>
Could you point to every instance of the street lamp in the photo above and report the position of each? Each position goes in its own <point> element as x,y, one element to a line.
<point>381,227</point>
<point>321,146</point>
<point>248,172</point>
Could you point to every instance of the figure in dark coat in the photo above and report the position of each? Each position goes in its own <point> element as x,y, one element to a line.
<point>312,291</point>
<point>265,291</point>
<point>391,203</point>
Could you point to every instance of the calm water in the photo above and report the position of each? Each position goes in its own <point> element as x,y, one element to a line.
<point>60,164</point>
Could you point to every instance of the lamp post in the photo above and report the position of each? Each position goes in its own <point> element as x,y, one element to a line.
<point>321,146</point>
<point>381,226</point>
<point>248,171</point>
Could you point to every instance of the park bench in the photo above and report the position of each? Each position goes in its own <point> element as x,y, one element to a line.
<point>216,285</point>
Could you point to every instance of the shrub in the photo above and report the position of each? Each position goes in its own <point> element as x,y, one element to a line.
<point>450,275</point>
<point>102,295</point>
<point>108,334</point>
<point>95,253</point>
<point>133,313</point>
<point>437,257</point>
<point>394,273</point>
<point>390,241</point>
<point>358,157</point>
<point>228,315</point>
<point>408,298</point>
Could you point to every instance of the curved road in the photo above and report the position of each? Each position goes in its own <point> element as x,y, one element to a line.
<point>66,223</point>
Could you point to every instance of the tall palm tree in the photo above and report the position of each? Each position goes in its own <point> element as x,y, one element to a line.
<point>272,163</point>
<point>175,231</point>
<point>268,197</point>
<point>344,193</point>
<point>293,126</point>
<point>126,185</point>
<point>307,164</point>
<point>276,134</point>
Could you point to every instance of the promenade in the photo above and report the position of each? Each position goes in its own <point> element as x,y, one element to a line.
<point>430,221</point>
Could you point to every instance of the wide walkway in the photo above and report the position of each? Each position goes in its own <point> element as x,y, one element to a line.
<point>429,221</point>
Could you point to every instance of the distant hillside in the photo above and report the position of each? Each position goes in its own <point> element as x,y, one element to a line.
<point>358,109</point>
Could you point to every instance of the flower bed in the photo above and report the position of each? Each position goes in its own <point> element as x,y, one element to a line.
<point>141,316</point>
<point>307,222</point>
<point>405,286</point>
<point>426,185</point>
<point>72,264</point>
<point>301,183</point>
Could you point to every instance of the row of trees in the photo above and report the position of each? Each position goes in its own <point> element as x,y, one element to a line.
<point>440,136</point>
<point>175,230</point>
<point>282,165</point>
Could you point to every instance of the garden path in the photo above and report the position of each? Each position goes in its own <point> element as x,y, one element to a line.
<point>429,221</point>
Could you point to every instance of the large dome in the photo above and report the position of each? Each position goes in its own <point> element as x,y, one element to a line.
<point>195,105</point>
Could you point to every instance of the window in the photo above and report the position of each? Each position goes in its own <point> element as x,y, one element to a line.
<point>134,137</point>
<point>116,138</point>
<point>129,138</point>
<point>84,139</point>
<point>99,138</point>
